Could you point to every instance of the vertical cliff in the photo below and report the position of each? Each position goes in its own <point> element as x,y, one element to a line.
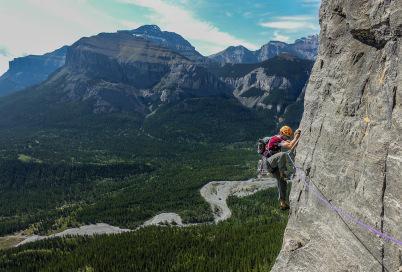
<point>351,147</point>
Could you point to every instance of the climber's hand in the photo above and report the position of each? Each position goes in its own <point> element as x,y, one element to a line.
<point>297,132</point>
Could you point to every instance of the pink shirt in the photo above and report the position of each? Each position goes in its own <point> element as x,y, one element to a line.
<point>275,143</point>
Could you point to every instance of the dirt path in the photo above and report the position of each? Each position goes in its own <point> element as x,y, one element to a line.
<point>215,193</point>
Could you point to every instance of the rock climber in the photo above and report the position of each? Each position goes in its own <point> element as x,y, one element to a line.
<point>277,161</point>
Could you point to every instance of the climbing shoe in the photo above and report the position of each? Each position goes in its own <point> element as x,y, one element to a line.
<point>283,205</point>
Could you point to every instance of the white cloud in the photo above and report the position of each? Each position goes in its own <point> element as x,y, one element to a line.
<point>4,51</point>
<point>289,25</point>
<point>279,37</point>
<point>181,20</point>
<point>40,26</point>
<point>3,64</point>
<point>292,23</point>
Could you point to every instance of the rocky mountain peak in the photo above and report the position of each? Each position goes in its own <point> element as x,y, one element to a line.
<point>312,39</point>
<point>275,43</point>
<point>154,33</point>
<point>149,29</point>
<point>238,48</point>
<point>234,54</point>
<point>171,40</point>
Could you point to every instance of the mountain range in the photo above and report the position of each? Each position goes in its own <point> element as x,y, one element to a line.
<point>31,70</point>
<point>305,48</point>
<point>128,72</point>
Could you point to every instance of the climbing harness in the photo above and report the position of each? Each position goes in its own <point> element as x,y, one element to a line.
<point>310,186</point>
<point>266,152</point>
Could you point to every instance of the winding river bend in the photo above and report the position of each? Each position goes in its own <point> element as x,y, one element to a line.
<point>215,193</point>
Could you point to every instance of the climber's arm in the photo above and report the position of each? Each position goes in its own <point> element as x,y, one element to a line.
<point>292,143</point>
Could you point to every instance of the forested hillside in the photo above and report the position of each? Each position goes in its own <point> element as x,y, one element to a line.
<point>249,241</point>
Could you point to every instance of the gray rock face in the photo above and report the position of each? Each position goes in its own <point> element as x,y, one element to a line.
<point>31,70</point>
<point>254,89</point>
<point>304,48</point>
<point>275,85</point>
<point>351,144</point>
<point>190,81</point>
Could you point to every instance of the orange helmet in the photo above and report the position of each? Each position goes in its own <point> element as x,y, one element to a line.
<point>287,131</point>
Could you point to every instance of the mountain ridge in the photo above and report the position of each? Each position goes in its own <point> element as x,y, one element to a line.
<point>305,48</point>
<point>16,79</point>
<point>27,71</point>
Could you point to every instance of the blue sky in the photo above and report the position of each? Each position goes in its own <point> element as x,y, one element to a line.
<point>40,26</point>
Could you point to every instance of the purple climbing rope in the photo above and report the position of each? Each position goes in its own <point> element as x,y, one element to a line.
<point>346,215</point>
